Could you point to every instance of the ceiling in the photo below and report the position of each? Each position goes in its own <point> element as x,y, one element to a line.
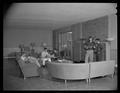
<point>50,16</point>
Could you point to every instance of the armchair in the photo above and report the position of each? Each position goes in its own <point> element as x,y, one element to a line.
<point>28,69</point>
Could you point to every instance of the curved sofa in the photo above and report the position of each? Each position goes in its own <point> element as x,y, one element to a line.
<point>72,71</point>
<point>101,68</point>
<point>68,71</point>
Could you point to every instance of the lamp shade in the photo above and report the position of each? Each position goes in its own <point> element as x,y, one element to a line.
<point>110,39</point>
<point>65,45</point>
<point>43,44</point>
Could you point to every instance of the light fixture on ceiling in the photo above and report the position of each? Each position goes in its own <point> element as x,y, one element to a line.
<point>110,39</point>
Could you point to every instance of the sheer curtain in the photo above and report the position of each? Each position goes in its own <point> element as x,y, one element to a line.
<point>65,44</point>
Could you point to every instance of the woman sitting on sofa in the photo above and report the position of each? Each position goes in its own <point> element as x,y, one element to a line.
<point>27,58</point>
<point>53,54</point>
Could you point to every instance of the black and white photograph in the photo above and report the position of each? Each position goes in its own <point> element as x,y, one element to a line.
<point>60,46</point>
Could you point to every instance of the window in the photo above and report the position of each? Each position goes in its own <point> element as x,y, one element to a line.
<point>65,44</point>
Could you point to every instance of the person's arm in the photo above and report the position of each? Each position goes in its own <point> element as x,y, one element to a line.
<point>24,58</point>
<point>48,55</point>
<point>85,46</point>
<point>94,46</point>
<point>52,55</point>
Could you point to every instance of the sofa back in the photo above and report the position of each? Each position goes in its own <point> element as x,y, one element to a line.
<point>80,71</point>
<point>101,68</point>
<point>68,71</point>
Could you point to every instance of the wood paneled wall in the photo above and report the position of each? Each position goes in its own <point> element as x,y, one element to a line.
<point>97,27</point>
<point>77,34</point>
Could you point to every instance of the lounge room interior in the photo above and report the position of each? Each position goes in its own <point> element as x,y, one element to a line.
<point>65,31</point>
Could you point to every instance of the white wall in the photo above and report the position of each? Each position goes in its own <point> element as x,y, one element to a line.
<point>113,33</point>
<point>12,37</point>
<point>113,30</point>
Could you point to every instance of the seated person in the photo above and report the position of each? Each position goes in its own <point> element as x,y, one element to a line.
<point>27,58</point>
<point>45,56</point>
<point>55,52</point>
<point>62,54</point>
<point>52,55</point>
<point>55,55</point>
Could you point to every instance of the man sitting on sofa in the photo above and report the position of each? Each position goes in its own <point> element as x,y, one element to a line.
<point>53,54</point>
<point>45,56</point>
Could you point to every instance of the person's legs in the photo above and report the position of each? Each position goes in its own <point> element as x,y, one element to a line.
<point>49,59</point>
<point>99,57</point>
<point>43,61</point>
<point>87,56</point>
<point>91,55</point>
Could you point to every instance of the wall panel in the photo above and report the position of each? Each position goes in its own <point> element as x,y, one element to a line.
<point>97,27</point>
